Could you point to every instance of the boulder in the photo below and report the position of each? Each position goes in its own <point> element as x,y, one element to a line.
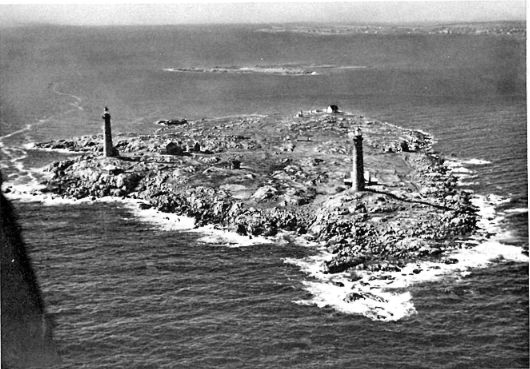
<point>354,296</point>
<point>338,265</point>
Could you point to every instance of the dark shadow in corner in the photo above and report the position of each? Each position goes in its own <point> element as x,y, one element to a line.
<point>26,328</point>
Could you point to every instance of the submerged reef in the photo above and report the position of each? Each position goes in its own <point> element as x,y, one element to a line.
<point>260,175</point>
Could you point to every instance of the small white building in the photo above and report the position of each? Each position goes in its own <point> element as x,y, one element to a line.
<point>332,109</point>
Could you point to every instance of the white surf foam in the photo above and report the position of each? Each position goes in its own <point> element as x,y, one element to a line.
<point>468,183</point>
<point>462,173</point>
<point>377,302</point>
<point>379,305</point>
<point>453,162</point>
<point>385,293</point>
<point>32,146</point>
<point>30,192</point>
<point>221,237</point>
<point>162,221</point>
<point>517,211</point>
<point>476,162</point>
<point>459,170</point>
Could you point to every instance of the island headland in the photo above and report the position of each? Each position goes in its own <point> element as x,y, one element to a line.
<point>260,175</point>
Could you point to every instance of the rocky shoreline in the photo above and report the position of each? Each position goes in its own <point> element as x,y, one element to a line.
<point>262,175</point>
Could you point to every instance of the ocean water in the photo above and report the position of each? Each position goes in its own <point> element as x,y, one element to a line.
<point>133,289</point>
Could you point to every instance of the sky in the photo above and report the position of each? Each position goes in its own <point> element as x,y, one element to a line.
<point>201,12</point>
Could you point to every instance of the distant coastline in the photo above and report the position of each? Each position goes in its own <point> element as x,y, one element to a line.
<point>517,29</point>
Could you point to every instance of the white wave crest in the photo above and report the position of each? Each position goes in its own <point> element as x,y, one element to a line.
<point>221,237</point>
<point>476,162</point>
<point>517,211</point>
<point>162,221</point>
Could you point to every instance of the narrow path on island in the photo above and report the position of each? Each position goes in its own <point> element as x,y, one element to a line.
<point>410,201</point>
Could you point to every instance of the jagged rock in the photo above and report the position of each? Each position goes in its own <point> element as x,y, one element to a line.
<point>341,264</point>
<point>172,122</point>
<point>354,296</point>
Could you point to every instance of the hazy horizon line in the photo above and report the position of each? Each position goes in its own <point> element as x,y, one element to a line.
<point>259,12</point>
<point>354,23</point>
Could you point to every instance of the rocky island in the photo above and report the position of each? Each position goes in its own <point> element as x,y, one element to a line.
<point>260,69</point>
<point>259,175</point>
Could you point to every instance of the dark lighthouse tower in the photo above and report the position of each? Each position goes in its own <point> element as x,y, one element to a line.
<point>357,174</point>
<point>108,148</point>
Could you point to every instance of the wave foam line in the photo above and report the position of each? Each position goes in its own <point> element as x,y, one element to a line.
<point>223,237</point>
<point>215,236</point>
<point>26,180</point>
<point>29,126</point>
<point>517,211</point>
<point>162,221</point>
<point>31,192</point>
<point>458,165</point>
<point>15,160</point>
<point>22,130</point>
<point>476,162</point>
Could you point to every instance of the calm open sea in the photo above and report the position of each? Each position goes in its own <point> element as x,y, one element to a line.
<point>129,290</point>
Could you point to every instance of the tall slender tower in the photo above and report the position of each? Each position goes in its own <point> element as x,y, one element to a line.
<point>108,148</point>
<point>357,174</point>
